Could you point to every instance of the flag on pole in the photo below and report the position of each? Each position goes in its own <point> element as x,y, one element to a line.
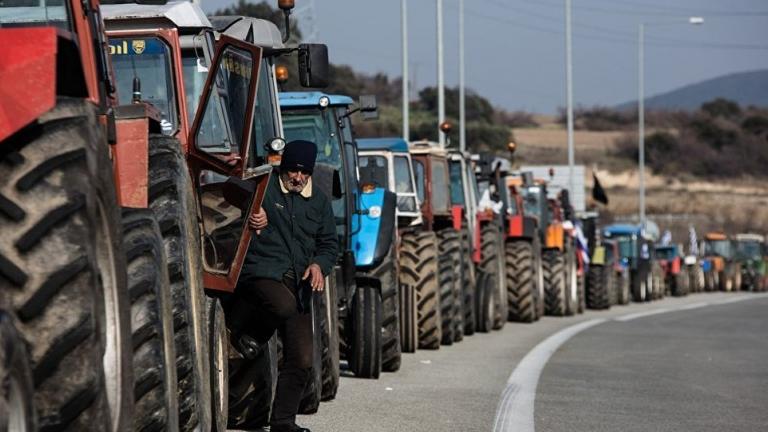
<point>598,193</point>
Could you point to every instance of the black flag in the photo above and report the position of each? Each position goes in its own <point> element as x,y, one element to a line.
<point>598,193</point>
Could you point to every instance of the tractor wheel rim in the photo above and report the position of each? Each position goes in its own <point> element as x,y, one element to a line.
<point>112,360</point>
<point>17,407</point>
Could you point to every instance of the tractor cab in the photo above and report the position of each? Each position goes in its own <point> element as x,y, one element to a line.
<point>637,250</point>
<point>751,256</point>
<point>386,162</point>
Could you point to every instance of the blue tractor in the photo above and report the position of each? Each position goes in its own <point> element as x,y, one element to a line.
<point>365,289</point>
<point>636,248</point>
<point>386,162</point>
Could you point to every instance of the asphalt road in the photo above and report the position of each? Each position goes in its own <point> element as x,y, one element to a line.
<point>697,363</point>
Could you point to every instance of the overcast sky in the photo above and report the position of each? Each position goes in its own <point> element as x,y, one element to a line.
<point>516,48</point>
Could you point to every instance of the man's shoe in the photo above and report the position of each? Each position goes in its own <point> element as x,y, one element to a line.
<point>248,347</point>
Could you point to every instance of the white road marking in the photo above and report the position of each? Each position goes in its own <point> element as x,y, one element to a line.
<point>636,315</point>
<point>515,411</point>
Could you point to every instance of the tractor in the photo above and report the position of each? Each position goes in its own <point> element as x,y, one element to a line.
<point>608,277</point>
<point>676,276</point>
<point>636,248</point>
<point>186,184</point>
<point>563,266</point>
<point>387,162</point>
<point>464,204</point>
<point>751,258</point>
<point>489,255</point>
<point>366,274</point>
<point>523,239</point>
<point>163,54</point>
<point>725,271</point>
<point>432,175</point>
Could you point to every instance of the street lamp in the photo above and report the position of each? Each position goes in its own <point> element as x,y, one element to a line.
<point>695,20</point>
<point>406,92</point>
<point>440,73</point>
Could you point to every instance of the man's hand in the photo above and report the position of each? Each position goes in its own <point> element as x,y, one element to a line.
<point>258,221</point>
<point>315,275</point>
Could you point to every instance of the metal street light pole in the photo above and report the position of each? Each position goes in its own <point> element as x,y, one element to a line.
<point>406,80</point>
<point>569,95</point>
<point>641,120</point>
<point>462,92</point>
<point>440,74</point>
<point>641,109</point>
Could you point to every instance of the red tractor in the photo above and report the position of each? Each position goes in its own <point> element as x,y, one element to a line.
<point>103,303</point>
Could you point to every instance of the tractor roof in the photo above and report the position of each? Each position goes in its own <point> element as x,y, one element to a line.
<point>426,147</point>
<point>311,99</point>
<point>182,14</point>
<point>715,236</point>
<point>750,237</point>
<point>621,230</point>
<point>259,32</point>
<point>385,144</point>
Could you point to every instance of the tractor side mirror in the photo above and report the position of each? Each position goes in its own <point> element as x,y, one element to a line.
<point>313,65</point>
<point>369,107</point>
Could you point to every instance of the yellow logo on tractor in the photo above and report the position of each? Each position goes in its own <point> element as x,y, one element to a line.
<point>138,46</point>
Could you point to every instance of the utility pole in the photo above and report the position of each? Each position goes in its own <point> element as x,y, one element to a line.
<point>641,120</point>
<point>406,80</point>
<point>569,95</point>
<point>440,74</point>
<point>462,91</point>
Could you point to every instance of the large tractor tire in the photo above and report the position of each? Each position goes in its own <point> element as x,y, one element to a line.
<point>17,413</point>
<point>599,284</point>
<point>492,261</point>
<point>409,322</point>
<point>640,288</point>
<point>364,330</point>
<point>659,288</point>
<point>418,268</point>
<point>252,387</point>
<point>313,392</point>
<point>559,280</point>
<point>485,298</point>
<point>386,272</point>
<point>522,277</point>
<point>172,199</point>
<point>62,269</point>
<point>574,294</point>
<point>679,284</point>
<point>327,302</point>
<point>582,293</point>
<point>468,282</point>
<point>449,263</point>
<point>154,356</point>
<point>623,291</point>
<point>219,364</point>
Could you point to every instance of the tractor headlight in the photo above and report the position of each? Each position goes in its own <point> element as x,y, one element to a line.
<point>324,101</point>
<point>276,145</point>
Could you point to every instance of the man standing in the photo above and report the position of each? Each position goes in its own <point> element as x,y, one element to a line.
<point>295,246</point>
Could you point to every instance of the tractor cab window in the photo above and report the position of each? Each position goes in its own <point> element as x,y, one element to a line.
<point>720,248</point>
<point>374,170</point>
<point>627,248</point>
<point>419,172</point>
<point>35,13</point>
<point>532,200</point>
<point>666,253</point>
<point>194,68</point>
<point>457,186</point>
<point>149,60</point>
<point>264,116</point>
<point>319,127</point>
<point>748,249</point>
<point>406,196</point>
<point>440,187</point>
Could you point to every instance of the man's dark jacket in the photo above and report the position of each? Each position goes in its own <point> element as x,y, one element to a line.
<point>300,231</point>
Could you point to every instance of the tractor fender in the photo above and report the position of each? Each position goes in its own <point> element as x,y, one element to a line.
<point>374,238</point>
<point>133,124</point>
<point>522,227</point>
<point>27,76</point>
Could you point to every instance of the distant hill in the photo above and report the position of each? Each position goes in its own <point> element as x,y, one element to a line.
<point>746,88</point>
